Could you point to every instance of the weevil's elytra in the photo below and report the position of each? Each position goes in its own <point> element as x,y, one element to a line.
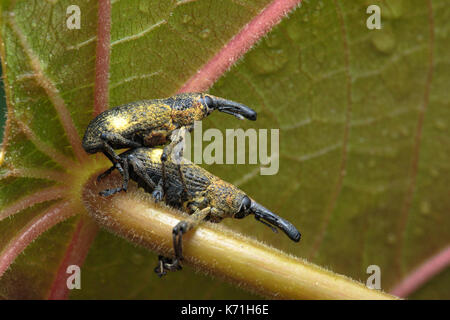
<point>153,123</point>
<point>206,197</point>
<point>133,121</point>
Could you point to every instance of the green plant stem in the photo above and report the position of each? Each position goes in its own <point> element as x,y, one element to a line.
<point>218,251</point>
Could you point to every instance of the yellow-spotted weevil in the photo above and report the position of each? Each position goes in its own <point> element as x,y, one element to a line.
<point>152,123</point>
<point>206,197</point>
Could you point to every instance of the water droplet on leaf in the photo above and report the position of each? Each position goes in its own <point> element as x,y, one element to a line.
<point>384,41</point>
<point>392,9</point>
<point>268,61</point>
<point>273,40</point>
<point>204,33</point>
<point>186,18</point>
<point>425,207</point>
<point>143,6</point>
<point>294,29</point>
<point>440,124</point>
<point>391,238</point>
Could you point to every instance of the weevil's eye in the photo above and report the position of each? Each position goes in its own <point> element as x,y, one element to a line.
<point>244,210</point>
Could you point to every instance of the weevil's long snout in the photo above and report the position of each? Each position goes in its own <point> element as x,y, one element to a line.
<point>267,217</point>
<point>236,109</point>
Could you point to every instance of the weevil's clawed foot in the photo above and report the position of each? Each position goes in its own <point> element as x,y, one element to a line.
<point>177,234</point>
<point>110,192</point>
<point>158,193</point>
<point>159,270</point>
<point>167,264</point>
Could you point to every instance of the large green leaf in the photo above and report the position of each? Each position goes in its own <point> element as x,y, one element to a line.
<point>363,118</point>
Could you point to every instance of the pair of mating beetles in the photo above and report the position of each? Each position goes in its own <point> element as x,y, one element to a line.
<point>142,125</point>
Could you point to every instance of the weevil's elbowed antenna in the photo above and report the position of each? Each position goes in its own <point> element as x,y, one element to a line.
<point>236,109</point>
<point>270,219</point>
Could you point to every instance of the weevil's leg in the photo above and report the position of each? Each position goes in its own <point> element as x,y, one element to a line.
<point>106,173</point>
<point>184,226</point>
<point>117,139</point>
<point>113,157</point>
<point>166,264</point>
<point>179,157</point>
<point>158,193</point>
<point>115,166</point>
<point>139,169</point>
<point>109,192</point>
<point>126,179</point>
<point>108,151</point>
<point>114,138</point>
<point>176,138</point>
<point>163,177</point>
<point>159,269</point>
<point>120,163</point>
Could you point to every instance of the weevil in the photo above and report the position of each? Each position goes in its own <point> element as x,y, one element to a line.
<point>207,197</point>
<point>152,123</point>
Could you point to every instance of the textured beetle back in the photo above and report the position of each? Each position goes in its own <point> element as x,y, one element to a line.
<point>183,101</point>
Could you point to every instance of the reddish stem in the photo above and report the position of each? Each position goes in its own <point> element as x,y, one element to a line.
<point>76,253</point>
<point>54,215</point>
<point>423,273</point>
<point>102,57</point>
<point>35,198</point>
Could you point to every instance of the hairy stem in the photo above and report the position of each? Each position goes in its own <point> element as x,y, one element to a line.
<point>218,251</point>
